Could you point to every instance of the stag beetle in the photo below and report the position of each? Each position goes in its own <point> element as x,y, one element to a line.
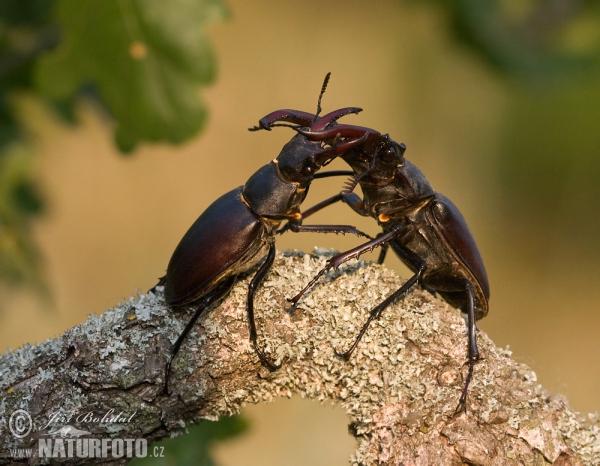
<point>424,228</point>
<point>238,229</point>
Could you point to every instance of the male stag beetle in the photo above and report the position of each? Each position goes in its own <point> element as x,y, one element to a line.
<point>238,229</point>
<point>424,228</point>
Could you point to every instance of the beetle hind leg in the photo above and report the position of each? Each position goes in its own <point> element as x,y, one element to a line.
<point>254,283</point>
<point>205,302</point>
<point>473,351</point>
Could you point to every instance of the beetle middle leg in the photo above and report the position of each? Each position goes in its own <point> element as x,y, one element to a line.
<point>352,200</point>
<point>418,264</point>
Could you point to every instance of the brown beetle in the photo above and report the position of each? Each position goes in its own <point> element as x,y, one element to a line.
<point>424,228</point>
<point>236,232</point>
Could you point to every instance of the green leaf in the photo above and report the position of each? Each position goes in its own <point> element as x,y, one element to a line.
<point>18,202</point>
<point>145,59</point>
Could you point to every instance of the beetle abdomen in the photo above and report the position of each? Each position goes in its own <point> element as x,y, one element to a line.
<point>225,232</point>
<point>451,224</point>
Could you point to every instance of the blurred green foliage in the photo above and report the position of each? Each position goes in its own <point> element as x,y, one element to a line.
<point>193,449</point>
<point>26,29</point>
<point>143,61</point>
<point>19,201</point>
<point>539,40</point>
<point>549,165</point>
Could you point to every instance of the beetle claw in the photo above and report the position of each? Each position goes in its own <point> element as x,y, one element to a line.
<point>264,360</point>
<point>345,356</point>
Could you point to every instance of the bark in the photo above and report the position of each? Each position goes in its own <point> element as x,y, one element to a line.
<point>400,388</point>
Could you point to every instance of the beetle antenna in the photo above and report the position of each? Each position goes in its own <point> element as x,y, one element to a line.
<point>323,87</point>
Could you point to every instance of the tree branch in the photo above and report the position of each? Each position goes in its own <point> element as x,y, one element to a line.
<point>400,388</point>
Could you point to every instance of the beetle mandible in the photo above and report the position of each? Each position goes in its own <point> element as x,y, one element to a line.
<point>424,228</point>
<point>237,230</point>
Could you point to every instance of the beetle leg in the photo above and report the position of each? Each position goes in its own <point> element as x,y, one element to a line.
<point>202,305</point>
<point>296,227</point>
<point>256,281</point>
<point>472,347</point>
<point>383,253</point>
<point>333,173</point>
<point>352,200</point>
<point>309,212</point>
<point>375,313</point>
<point>339,259</point>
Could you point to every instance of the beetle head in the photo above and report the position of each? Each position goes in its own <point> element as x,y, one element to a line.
<point>376,161</point>
<point>373,156</point>
<point>297,161</point>
<point>301,158</point>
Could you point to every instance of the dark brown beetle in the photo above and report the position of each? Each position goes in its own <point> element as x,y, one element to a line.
<point>424,228</point>
<point>236,232</point>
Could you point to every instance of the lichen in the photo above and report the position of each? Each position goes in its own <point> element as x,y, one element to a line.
<point>400,387</point>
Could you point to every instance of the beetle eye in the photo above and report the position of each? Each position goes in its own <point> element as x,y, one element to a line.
<point>307,170</point>
<point>388,154</point>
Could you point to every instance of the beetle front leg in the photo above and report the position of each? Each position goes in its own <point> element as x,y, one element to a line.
<point>337,261</point>
<point>352,200</point>
<point>254,283</point>
<point>296,227</point>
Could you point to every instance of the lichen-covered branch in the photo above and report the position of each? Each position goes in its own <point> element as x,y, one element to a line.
<point>400,388</point>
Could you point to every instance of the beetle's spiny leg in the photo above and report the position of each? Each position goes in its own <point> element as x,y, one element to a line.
<point>377,310</point>
<point>313,209</point>
<point>337,229</point>
<point>357,177</point>
<point>336,261</point>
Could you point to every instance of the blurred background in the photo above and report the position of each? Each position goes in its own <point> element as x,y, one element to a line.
<point>111,146</point>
